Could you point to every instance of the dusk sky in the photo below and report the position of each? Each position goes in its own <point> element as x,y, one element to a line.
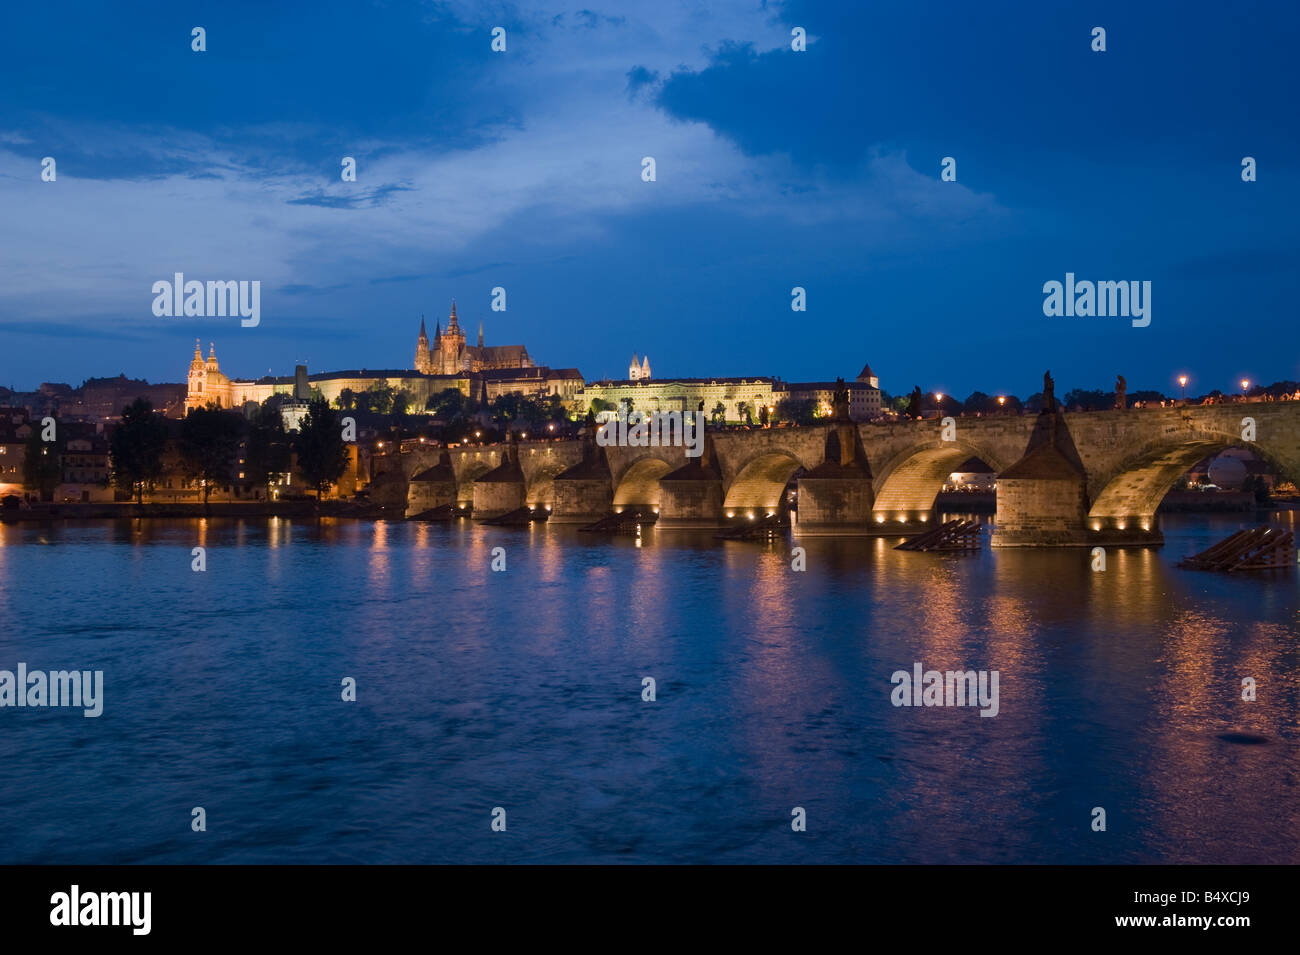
<point>775,169</point>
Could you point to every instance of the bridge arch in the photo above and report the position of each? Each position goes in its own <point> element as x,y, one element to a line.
<point>760,484</point>
<point>540,490</point>
<point>639,484</point>
<point>1131,492</point>
<point>909,482</point>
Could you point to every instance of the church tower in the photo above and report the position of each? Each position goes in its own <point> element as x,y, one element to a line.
<point>452,345</point>
<point>422,362</point>
<point>207,385</point>
<point>194,397</point>
<point>634,369</point>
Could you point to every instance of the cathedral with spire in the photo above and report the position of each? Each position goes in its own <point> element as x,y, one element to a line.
<point>449,355</point>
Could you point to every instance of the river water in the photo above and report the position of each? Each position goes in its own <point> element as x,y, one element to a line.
<point>522,689</point>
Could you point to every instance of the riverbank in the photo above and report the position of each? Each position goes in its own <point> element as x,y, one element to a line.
<point>120,510</point>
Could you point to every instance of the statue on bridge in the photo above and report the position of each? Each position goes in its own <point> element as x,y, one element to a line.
<point>1121,393</point>
<point>1049,393</point>
<point>840,400</point>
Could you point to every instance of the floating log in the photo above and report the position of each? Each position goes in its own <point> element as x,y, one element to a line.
<point>955,535</point>
<point>627,521</point>
<point>1256,548</point>
<point>519,517</point>
<point>760,529</point>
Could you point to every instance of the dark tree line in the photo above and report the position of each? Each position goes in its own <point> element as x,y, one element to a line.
<point>210,441</point>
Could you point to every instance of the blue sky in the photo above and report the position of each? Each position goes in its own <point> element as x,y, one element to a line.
<point>775,169</point>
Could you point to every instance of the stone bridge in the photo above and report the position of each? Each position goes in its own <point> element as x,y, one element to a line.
<point>1071,479</point>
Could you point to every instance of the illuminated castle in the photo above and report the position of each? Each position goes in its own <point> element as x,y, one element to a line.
<point>478,371</point>
<point>451,356</point>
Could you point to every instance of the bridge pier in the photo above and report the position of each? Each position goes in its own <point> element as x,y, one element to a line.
<point>836,497</point>
<point>501,490</point>
<point>1043,497</point>
<point>432,487</point>
<point>690,502</point>
<point>834,506</point>
<point>692,495</point>
<point>584,493</point>
<point>1043,511</point>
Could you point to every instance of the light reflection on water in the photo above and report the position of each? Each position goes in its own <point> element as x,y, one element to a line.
<point>522,689</point>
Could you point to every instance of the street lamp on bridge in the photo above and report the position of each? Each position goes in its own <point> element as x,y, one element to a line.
<point>1182,383</point>
<point>1245,384</point>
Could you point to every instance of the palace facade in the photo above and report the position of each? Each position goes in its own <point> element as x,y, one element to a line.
<point>736,395</point>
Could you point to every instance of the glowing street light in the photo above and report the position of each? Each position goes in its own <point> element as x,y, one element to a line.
<point>1182,383</point>
<point>1245,385</point>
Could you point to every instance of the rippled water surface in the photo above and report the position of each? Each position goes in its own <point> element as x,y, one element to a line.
<point>522,690</point>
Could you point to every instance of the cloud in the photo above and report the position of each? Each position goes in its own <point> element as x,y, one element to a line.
<point>336,199</point>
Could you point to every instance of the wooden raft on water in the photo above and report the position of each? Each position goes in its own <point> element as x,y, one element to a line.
<point>758,529</point>
<point>518,517</point>
<point>950,535</point>
<point>1256,548</point>
<point>444,512</point>
<point>625,522</point>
